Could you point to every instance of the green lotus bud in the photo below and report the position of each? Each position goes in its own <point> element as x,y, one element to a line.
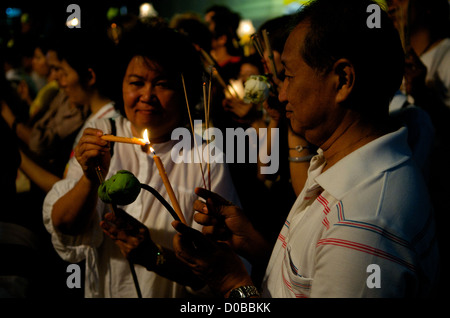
<point>122,188</point>
<point>103,192</point>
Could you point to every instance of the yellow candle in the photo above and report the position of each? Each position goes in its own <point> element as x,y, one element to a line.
<point>134,140</point>
<point>168,186</point>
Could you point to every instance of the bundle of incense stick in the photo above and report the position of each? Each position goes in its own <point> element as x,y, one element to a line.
<point>257,44</point>
<point>270,52</point>
<point>216,73</point>
<point>207,101</point>
<point>192,127</point>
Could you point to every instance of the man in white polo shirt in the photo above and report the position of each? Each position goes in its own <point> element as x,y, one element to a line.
<point>363,225</point>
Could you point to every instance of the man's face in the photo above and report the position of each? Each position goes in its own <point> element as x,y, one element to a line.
<point>309,96</point>
<point>150,99</point>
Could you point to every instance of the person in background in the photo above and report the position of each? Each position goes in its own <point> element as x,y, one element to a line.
<point>425,26</point>
<point>225,48</point>
<point>45,95</point>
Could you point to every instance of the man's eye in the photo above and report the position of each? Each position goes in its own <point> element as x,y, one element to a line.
<point>137,83</point>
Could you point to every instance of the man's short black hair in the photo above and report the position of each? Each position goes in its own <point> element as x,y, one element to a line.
<point>339,29</point>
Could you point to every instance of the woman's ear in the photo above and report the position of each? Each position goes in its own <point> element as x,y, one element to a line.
<point>92,78</point>
<point>345,75</point>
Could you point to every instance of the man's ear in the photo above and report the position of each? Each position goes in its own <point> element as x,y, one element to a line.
<point>92,77</point>
<point>345,77</point>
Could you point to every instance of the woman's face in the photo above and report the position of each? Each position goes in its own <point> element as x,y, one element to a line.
<point>39,63</point>
<point>151,100</point>
<point>70,82</point>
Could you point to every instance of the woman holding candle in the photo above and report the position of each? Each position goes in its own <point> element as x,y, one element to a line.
<point>153,99</point>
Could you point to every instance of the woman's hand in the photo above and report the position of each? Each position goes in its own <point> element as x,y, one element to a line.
<point>238,106</point>
<point>415,73</point>
<point>131,236</point>
<point>93,153</point>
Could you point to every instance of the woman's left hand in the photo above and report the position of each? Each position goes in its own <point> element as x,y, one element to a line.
<point>130,235</point>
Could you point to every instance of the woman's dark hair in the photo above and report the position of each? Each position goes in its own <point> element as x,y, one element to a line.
<point>226,23</point>
<point>338,29</point>
<point>195,30</point>
<point>171,50</point>
<point>433,15</point>
<point>87,50</point>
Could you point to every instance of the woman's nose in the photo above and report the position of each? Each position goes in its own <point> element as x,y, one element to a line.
<point>147,93</point>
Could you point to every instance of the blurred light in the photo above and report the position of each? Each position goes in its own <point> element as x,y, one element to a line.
<point>13,12</point>
<point>123,10</point>
<point>245,28</point>
<point>292,8</point>
<point>73,23</point>
<point>112,13</point>
<point>146,10</point>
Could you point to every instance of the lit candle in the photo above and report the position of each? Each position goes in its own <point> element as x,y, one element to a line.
<point>237,87</point>
<point>134,140</point>
<point>165,179</point>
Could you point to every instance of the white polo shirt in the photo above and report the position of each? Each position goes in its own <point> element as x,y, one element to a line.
<point>363,228</point>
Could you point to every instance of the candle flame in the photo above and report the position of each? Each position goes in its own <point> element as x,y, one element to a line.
<point>146,137</point>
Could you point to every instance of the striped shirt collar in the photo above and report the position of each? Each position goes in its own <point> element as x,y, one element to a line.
<point>366,163</point>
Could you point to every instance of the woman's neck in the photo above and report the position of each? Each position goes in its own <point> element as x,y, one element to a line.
<point>97,102</point>
<point>422,41</point>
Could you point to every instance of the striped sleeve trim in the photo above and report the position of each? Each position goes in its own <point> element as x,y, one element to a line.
<point>342,221</point>
<point>366,249</point>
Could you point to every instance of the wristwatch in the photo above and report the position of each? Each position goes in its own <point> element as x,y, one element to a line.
<point>244,292</point>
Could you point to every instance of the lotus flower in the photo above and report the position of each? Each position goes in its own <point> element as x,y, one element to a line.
<point>257,89</point>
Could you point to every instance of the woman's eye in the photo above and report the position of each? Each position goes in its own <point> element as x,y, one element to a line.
<point>164,84</point>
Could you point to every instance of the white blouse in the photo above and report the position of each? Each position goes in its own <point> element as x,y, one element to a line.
<point>107,271</point>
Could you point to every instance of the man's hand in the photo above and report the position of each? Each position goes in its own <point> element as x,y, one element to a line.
<point>214,262</point>
<point>225,222</point>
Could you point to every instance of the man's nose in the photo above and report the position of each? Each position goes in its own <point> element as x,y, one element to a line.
<point>282,94</point>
